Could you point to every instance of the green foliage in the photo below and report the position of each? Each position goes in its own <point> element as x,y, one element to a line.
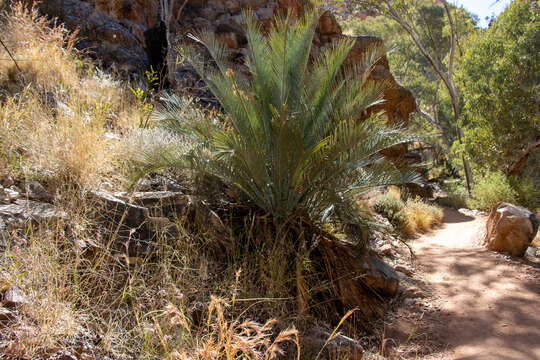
<point>393,209</point>
<point>291,140</point>
<point>411,68</point>
<point>499,77</point>
<point>453,201</point>
<point>528,191</point>
<point>491,189</point>
<point>144,105</point>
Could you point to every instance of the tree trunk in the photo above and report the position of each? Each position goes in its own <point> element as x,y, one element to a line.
<point>517,164</point>
<point>446,76</point>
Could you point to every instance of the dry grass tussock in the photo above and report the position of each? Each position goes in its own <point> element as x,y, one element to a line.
<point>89,301</point>
<point>421,216</point>
<point>411,216</point>
<point>62,121</point>
<point>58,112</point>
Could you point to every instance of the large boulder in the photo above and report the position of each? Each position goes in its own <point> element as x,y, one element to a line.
<point>510,229</point>
<point>112,31</point>
<point>380,276</point>
<point>134,220</point>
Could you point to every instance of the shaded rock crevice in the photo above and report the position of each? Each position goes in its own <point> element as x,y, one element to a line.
<point>155,40</point>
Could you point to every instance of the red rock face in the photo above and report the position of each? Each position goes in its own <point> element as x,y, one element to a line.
<point>115,29</point>
<point>224,18</point>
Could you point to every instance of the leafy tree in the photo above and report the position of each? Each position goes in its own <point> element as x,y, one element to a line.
<point>424,24</point>
<point>499,77</point>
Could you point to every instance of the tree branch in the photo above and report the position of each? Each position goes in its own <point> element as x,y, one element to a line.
<point>452,39</point>
<point>435,124</point>
<point>516,165</point>
<point>437,66</point>
<point>11,56</point>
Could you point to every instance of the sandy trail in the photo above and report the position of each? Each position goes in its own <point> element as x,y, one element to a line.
<point>480,304</point>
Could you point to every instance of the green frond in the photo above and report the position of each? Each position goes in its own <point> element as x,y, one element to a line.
<point>291,139</point>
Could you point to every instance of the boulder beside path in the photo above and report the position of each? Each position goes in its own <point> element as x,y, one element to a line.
<point>510,229</point>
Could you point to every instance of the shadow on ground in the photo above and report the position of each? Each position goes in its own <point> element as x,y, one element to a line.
<point>480,304</point>
<point>452,216</point>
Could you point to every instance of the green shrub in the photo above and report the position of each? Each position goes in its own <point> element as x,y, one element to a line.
<point>491,189</point>
<point>290,141</point>
<point>453,201</point>
<point>408,217</point>
<point>393,209</point>
<point>528,191</point>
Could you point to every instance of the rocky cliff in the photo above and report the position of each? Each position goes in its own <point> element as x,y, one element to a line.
<point>133,35</point>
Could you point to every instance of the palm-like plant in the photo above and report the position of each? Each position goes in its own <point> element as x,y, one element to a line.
<point>291,139</point>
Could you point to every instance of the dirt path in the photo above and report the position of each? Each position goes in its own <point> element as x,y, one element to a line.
<point>477,305</point>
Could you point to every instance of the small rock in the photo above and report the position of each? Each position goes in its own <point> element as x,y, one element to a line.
<point>386,249</point>
<point>36,191</point>
<point>471,213</point>
<point>10,195</point>
<point>8,182</point>
<point>533,252</point>
<point>409,302</point>
<point>111,136</point>
<point>115,210</point>
<point>6,314</point>
<point>265,13</point>
<point>335,344</point>
<point>403,269</point>
<point>33,210</point>
<point>154,198</point>
<point>14,297</point>
<point>414,292</point>
<point>380,276</point>
<point>158,183</point>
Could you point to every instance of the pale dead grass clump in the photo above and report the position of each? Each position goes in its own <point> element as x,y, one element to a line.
<point>46,314</point>
<point>411,216</point>
<point>83,297</point>
<point>59,114</point>
<point>222,338</point>
<point>421,217</point>
<point>536,240</point>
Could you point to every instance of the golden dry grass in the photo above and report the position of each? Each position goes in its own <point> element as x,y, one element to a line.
<point>418,216</point>
<point>57,111</point>
<point>161,308</point>
<point>536,240</point>
<point>63,121</point>
<point>421,216</point>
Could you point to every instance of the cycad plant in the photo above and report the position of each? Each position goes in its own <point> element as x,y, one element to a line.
<point>291,139</point>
